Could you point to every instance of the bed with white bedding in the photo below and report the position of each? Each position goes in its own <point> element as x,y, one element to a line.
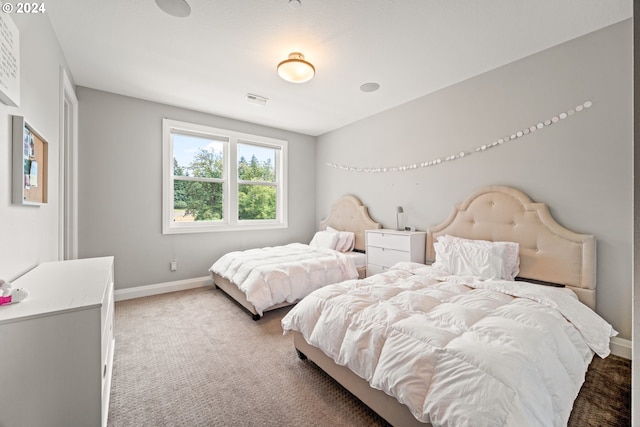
<point>267,278</point>
<point>461,342</point>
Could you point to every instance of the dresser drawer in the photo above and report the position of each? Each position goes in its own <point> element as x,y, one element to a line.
<point>390,241</point>
<point>107,336</point>
<point>107,349</point>
<point>107,300</point>
<point>386,257</point>
<point>107,359</point>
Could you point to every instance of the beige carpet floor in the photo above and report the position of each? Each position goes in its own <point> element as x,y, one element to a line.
<point>195,358</point>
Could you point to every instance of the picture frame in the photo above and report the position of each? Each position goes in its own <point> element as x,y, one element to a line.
<point>30,164</point>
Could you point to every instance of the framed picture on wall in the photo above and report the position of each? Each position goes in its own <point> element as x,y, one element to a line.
<point>30,164</point>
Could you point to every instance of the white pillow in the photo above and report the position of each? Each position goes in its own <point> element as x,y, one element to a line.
<point>488,260</point>
<point>511,255</point>
<point>324,239</point>
<point>463,259</point>
<point>346,240</point>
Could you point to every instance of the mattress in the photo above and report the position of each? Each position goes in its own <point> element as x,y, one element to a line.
<point>274,275</point>
<point>359,258</point>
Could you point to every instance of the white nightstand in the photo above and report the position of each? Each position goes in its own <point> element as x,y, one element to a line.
<point>387,247</point>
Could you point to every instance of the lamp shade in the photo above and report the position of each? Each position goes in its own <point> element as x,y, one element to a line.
<point>399,209</point>
<point>296,69</point>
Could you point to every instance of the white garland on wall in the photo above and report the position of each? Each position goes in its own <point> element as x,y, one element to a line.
<point>484,147</point>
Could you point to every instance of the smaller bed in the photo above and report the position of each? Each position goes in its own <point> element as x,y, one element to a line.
<point>264,279</point>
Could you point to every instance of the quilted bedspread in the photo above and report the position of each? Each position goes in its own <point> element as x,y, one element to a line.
<point>273,275</point>
<point>457,351</point>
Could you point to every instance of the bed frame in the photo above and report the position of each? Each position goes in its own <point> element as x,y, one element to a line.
<point>548,253</point>
<point>347,214</point>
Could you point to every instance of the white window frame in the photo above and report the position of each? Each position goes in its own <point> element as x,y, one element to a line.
<point>230,221</point>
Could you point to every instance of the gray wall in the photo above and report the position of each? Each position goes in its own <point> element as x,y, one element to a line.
<point>29,235</point>
<point>582,167</point>
<point>120,191</point>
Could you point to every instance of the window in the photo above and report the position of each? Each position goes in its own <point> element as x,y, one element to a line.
<point>220,180</point>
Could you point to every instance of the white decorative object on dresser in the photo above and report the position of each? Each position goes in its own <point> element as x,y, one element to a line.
<point>56,346</point>
<point>387,247</point>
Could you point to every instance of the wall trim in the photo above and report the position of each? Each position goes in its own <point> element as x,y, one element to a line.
<point>162,288</point>
<point>620,347</point>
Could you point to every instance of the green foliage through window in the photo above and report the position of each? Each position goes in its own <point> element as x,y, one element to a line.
<point>198,200</point>
<point>256,202</point>
<point>255,170</point>
<point>203,201</point>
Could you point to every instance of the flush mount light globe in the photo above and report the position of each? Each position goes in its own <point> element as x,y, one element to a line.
<point>296,69</point>
<point>177,8</point>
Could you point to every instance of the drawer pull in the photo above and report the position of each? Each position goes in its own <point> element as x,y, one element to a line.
<point>104,371</point>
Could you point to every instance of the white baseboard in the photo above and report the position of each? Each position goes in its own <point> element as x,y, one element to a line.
<point>161,288</point>
<point>620,347</point>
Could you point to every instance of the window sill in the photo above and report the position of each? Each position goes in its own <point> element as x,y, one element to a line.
<point>197,228</point>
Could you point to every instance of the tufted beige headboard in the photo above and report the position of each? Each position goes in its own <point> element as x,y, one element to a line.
<point>349,214</point>
<point>548,251</point>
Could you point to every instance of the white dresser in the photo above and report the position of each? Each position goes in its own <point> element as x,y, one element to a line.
<point>56,347</point>
<point>387,247</point>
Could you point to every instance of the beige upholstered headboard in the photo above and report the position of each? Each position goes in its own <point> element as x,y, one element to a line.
<point>548,251</point>
<point>349,214</point>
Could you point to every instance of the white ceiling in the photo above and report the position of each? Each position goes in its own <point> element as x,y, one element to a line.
<point>210,60</point>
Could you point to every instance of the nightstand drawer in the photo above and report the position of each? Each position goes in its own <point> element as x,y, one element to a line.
<point>385,248</point>
<point>386,257</point>
<point>392,241</point>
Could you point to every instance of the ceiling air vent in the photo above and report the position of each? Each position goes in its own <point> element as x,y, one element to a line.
<point>256,99</point>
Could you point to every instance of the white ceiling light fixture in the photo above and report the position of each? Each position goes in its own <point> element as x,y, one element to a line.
<point>294,4</point>
<point>296,69</point>
<point>177,8</point>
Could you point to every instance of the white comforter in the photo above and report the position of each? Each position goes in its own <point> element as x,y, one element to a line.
<point>455,354</point>
<point>272,275</point>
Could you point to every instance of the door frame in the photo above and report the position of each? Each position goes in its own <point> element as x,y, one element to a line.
<point>68,170</point>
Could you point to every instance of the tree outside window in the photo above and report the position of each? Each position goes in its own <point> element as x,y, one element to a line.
<point>256,183</point>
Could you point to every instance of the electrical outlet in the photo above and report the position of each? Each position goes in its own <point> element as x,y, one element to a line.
<point>174,265</point>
